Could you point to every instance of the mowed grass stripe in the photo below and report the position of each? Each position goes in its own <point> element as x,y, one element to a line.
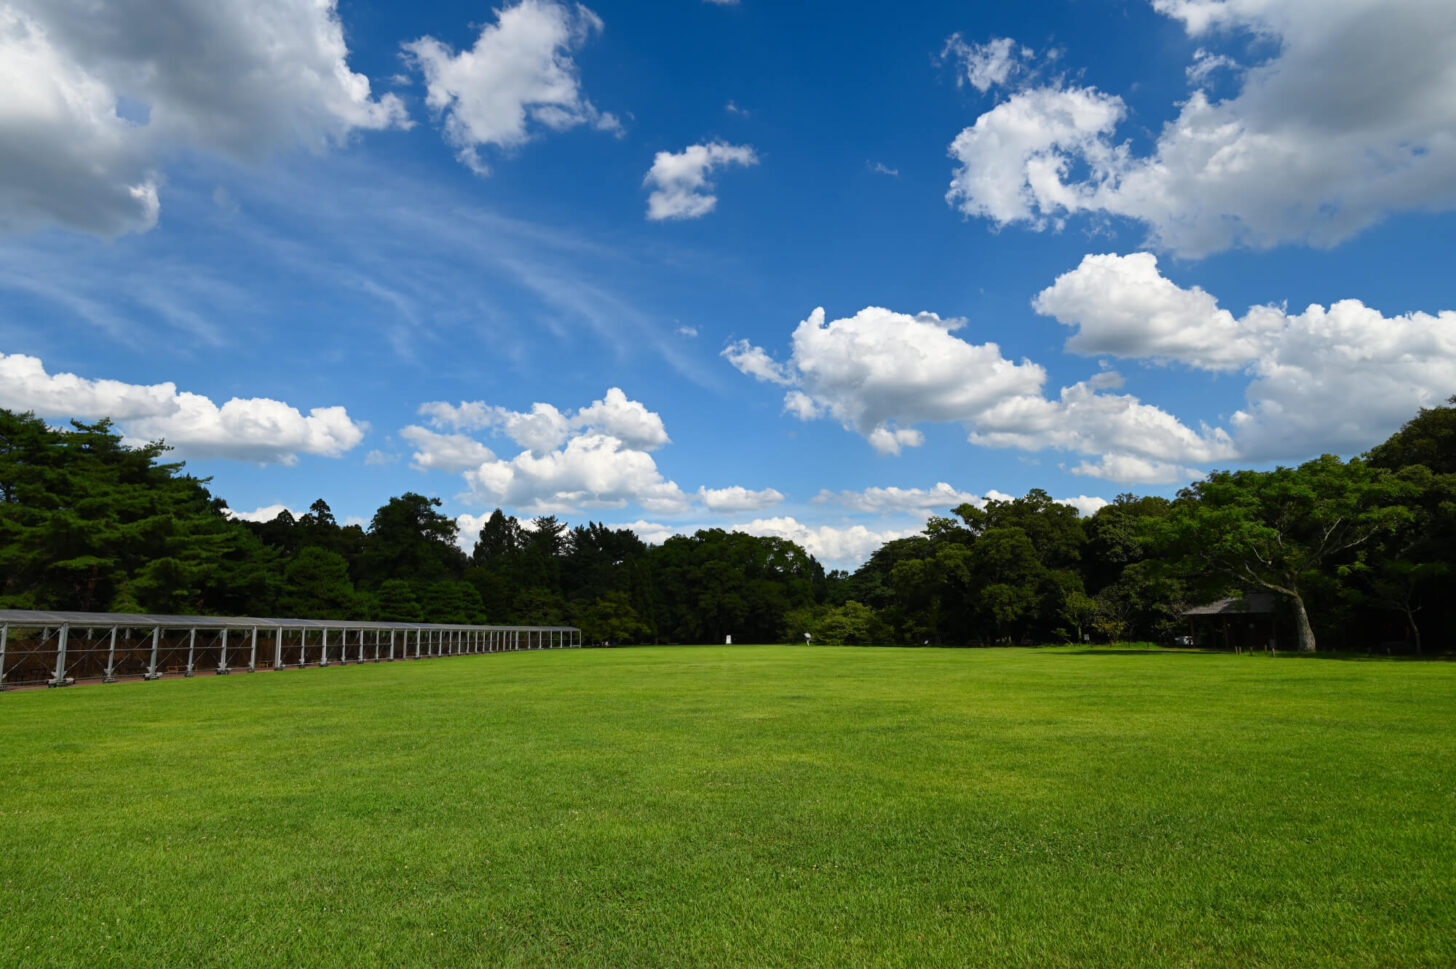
<point>753,806</point>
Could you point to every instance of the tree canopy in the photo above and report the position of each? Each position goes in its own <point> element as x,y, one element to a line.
<point>1360,552</point>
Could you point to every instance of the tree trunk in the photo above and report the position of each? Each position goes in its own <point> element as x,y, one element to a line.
<point>1301,624</point>
<point>1410,617</point>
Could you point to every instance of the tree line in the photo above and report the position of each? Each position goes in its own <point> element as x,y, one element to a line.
<point>1359,553</point>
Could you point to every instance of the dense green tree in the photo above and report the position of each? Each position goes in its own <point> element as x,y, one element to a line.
<point>395,601</point>
<point>451,601</point>
<point>90,523</point>
<point>409,537</point>
<point>1428,439</point>
<point>610,618</point>
<point>317,586</point>
<point>1284,530</point>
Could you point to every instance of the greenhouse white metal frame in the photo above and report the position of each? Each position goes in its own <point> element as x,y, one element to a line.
<point>41,648</point>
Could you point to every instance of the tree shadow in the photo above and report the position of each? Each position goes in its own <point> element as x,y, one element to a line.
<point>1345,657</point>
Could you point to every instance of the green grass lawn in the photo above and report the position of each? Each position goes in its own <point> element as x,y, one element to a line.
<point>739,806</point>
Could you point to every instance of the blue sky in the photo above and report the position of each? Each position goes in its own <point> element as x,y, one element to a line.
<point>673,265</point>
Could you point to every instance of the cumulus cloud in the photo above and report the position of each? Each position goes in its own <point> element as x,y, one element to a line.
<point>756,362</point>
<point>887,501</point>
<point>1086,419</point>
<point>445,452</point>
<point>1122,306</point>
<point>1337,378</point>
<point>1086,505</point>
<point>877,371</point>
<point>595,457</point>
<point>1127,467</point>
<point>1014,159</point>
<point>264,514</point>
<point>738,498</point>
<point>837,546</point>
<point>246,429</point>
<point>924,502</point>
<point>986,65</point>
<point>518,79</point>
<point>627,420</point>
<point>880,372</point>
<point>544,427</point>
<point>93,95</point>
<point>679,182</point>
<point>1352,118</point>
<point>592,470</point>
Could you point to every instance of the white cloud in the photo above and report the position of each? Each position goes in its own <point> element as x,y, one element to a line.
<point>911,501</point>
<point>1086,420</point>
<point>924,502</point>
<point>627,420</point>
<point>444,452</point>
<point>1126,467</point>
<point>987,65</point>
<point>592,470</point>
<point>738,498</point>
<point>1122,305</point>
<point>93,95</point>
<point>1086,505</point>
<point>879,372</point>
<point>468,415</point>
<point>1206,64</point>
<point>655,533</point>
<point>756,362</point>
<point>246,429</point>
<point>880,168</point>
<point>265,514</point>
<point>836,546</point>
<point>518,79</point>
<point>596,457</point>
<point>687,331</point>
<point>1014,159</point>
<point>1353,118</point>
<point>800,404</point>
<point>679,182</point>
<point>467,529</point>
<point>377,458</point>
<point>1337,378</point>
<point>544,427</point>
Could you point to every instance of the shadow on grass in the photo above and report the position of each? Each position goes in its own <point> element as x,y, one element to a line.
<point>1347,657</point>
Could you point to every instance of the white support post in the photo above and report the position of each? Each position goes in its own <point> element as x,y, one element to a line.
<point>222,666</point>
<point>325,660</point>
<point>110,676</point>
<point>278,648</point>
<point>361,645</point>
<point>191,647</point>
<point>253,652</point>
<point>60,677</point>
<point>391,645</point>
<point>302,648</point>
<point>152,673</point>
<point>4,640</point>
